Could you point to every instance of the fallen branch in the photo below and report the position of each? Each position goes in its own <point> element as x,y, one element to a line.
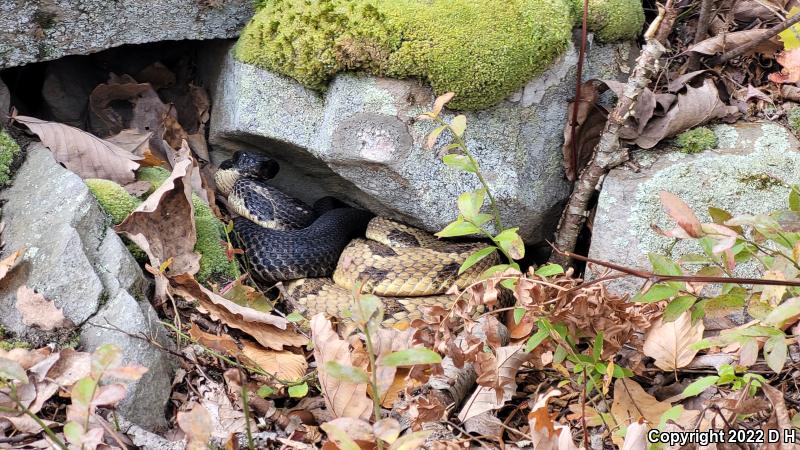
<point>655,278</point>
<point>608,154</point>
<point>703,20</point>
<point>742,49</point>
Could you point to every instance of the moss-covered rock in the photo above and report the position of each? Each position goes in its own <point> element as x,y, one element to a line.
<point>155,175</point>
<point>214,263</point>
<point>697,140</point>
<point>482,50</point>
<point>612,20</point>
<point>9,149</point>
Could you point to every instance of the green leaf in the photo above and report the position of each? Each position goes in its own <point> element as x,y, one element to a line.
<point>295,317</point>
<point>548,270</point>
<point>597,348</point>
<point>74,432</point>
<point>511,243</point>
<point>459,124</point>
<point>346,373</point>
<point>430,141</point>
<point>460,162</point>
<point>339,437</point>
<point>775,351</point>
<point>535,340</point>
<point>791,36</point>
<point>719,216</point>
<point>298,390</point>
<point>475,257</point>
<point>699,385</point>
<point>672,414</point>
<point>265,391</point>
<point>470,203</point>
<point>657,292</point>
<point>509,283</point>
<point>519,313</point>
<point>11,370</point>
<point>458,228</point>
<point>665,266</point>
<point>677,307</point>
<point>784,313</point>
<point>106,356</point>
<point>369,306</point>
<point>411,357</point>
<point>82,392</point>
<point>794,198</point>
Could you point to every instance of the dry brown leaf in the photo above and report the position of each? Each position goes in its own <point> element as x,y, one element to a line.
<point>631,402</point>
<point>546,433</point>
<point>285,365</point>
<point>163,225</point>
<point>104,119</point>
<point>10,261</point>
<point>693,107</point>
<point>268,330</point>
<point>134,141</point>
<point>790,73</point>
<point>36,311</point>
<point>669,343</point>
<point>386,341</point>
<point>681,213</point>
<point>343,399</point>
<point>636,436</point>
<point>138,188</point>
<point>357,430</point>
<point>223,344</point>
<point>727,41</point>
<point>779,419</point>
<point>196,423</point>
<point>83,153</point>
<point>497,380</point>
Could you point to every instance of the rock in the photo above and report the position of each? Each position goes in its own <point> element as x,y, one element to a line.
<point>5,101</point>
<point>361,140</point>
<point>73,258</point>
<point>42,30</point>
<point>66,88</point>
<point>749,173</point>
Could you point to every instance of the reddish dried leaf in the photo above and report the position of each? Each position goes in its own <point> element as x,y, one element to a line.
<point>790,60</point>
<point>681,213</point>
<point>197,425</point>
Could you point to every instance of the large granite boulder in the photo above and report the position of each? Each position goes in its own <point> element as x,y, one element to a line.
<point>42,30</point>
<point>750,172</point>
<point>361,141</point>
<point>73,258</point>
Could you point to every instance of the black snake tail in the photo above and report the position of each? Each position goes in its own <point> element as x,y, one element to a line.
<point>280,255</point>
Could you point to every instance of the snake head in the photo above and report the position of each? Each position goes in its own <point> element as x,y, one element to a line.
<point>253,165</point>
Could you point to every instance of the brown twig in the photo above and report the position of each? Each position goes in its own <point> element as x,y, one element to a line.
<point>607,153</point>
<point>742,49</point>
<point>655,278</point>
<point>578,97</point>
<point>703,20</point>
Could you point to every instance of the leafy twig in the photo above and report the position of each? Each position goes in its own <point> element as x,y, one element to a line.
<point>742,49</point>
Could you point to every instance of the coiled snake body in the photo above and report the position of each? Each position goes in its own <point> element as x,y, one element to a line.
<point>285,240</point>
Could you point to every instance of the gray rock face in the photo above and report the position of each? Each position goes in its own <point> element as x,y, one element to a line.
<point>42,30</point>
<point>750,173</point>
<point>73,258</point>
<point>361,140</point>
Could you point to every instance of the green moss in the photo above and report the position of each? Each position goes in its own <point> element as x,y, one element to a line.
<point>214,264</point>
<point>113,198</point>
<point>793,118</point>
<point>483,50</point>
<point>155,175</point>
<point>9,149</point>
<point>612,20</point>
<point>697,140</point>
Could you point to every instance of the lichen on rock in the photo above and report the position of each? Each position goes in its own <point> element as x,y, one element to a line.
<point>479,49</point>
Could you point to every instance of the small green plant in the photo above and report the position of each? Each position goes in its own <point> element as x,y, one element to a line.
<point>727,376</point>
<point>697,140</point>
<point>770,243</point>
<point>471,219</point>
<point>367,313</point>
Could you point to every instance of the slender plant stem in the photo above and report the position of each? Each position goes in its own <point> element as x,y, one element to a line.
<point>246,410</point>
<point>376,400</point>
<point>29,413</point>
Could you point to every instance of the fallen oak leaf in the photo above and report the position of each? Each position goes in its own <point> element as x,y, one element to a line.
<point>268,330</point>
<point>670,343</point>
<point>546,433</point>
<point>38,312</point>
<point>790,73</point>
<point>283,365</point>
<point>84,154</point>
<point>343,398</point>
<point>496,379</point>
<point>197,425</point>
<point>222,344</point>
<point>163,225</point>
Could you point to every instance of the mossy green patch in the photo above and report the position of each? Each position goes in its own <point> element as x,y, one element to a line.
<point>480,49</point>
<point>612,20</point>
<point>9,149</point>
<point>214,263</point>
<point>155,175</point>
<point>793,118</point>
<point>697,140</point>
